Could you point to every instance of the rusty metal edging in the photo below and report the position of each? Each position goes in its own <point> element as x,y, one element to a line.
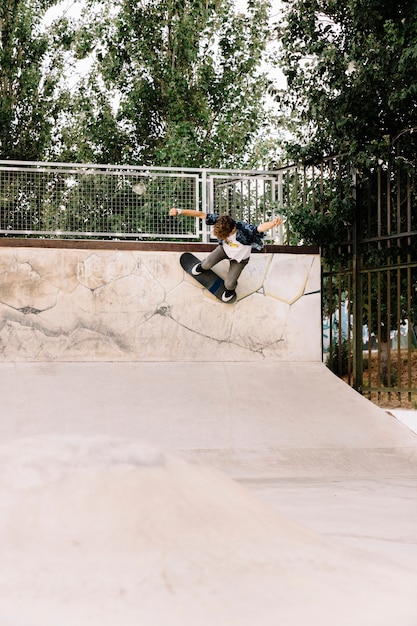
<point>151,246</point>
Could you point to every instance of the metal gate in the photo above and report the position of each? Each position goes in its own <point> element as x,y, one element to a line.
<point>370,291</point>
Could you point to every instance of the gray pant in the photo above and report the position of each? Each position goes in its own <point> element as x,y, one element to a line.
<point>235,268</point>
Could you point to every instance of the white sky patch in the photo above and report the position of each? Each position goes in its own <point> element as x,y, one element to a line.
<point>67,8</point>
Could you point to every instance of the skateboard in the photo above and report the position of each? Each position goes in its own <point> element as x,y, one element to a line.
<point>209,279</point>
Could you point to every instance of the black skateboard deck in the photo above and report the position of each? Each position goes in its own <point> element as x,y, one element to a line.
<point>209,279</point>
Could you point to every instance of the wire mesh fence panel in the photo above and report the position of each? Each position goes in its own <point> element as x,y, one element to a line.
<point>247,198</point>
<point>252,198</point>
<point>90,202</point>
<point>83,201</point>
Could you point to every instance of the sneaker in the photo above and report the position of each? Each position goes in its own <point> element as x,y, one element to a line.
<point>228,295</point>
<point>197,270</point>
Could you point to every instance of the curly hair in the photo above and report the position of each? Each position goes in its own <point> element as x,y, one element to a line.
<point>224,226</point>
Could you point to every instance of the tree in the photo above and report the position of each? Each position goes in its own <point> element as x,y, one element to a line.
<point>173,82</point>
<point>352,74</point>
<point>352,84</point>
<point>30,68</point>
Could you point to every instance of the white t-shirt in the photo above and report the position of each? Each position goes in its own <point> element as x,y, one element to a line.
<point>236,250</point>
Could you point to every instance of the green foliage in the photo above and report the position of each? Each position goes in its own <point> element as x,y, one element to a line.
<point>339,358</point>
<point>352,75</point>
<point>162,82</point>
<point>173,82</point>
<point>30,68</point>
<point>326,228</point>
<point>322,215</point>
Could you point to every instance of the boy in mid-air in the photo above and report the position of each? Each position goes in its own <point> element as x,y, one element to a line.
<point>236,240</point>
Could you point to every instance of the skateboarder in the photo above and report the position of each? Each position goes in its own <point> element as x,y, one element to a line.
<point>236,240</point>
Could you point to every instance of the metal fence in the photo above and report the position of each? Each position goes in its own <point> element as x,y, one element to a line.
<point>370,289</point>
<point>94,201</point>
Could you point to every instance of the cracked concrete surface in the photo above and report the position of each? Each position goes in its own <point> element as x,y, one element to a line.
<point>76,305</point>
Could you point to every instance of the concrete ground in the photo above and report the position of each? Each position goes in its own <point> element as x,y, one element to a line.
<point>377,514</point>
<point>311,511</point>
<point>406,416</point>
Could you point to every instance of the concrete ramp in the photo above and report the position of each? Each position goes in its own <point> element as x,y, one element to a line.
<point>125,343</point>
<point>117,374</point>
<point>251,420</point>
<point>110,305</point>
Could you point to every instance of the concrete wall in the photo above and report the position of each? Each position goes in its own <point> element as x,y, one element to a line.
<point>112,305</point>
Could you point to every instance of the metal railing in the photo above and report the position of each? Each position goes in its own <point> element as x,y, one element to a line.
<point>102,201</point>
<point>369,290</point>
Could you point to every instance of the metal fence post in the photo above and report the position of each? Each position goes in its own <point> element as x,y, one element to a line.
<point>205,233</point>
<point>357,348</point>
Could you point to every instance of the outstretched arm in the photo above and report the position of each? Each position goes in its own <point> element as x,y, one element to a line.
<point>188,212</point>
<point>262,228</point>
